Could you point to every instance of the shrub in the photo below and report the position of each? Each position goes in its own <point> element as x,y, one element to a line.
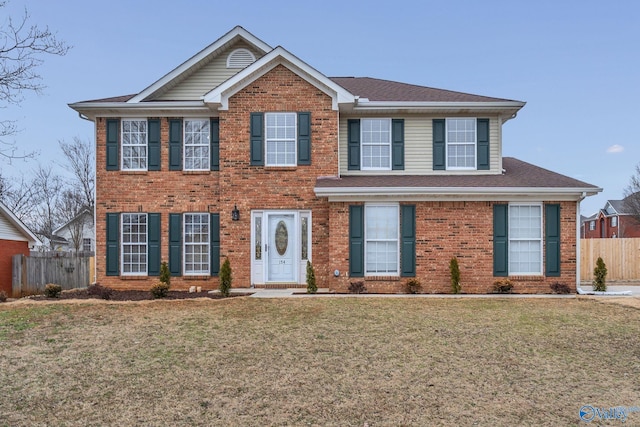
<point>502,286</point>
<point>357,287</point>
<point>225,278</point>
<point>600,276</point>
<point>165,274</point>
<point>100,291</point>
<point>52,290</point>
<point>560,288</point>
<point>312,288</point>
<point>3,296</point>
<point>454,269</point>
<point>160,290</point>
<point>413,286</point>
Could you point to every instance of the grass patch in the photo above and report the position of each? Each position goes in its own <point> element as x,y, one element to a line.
<point>321,361</point>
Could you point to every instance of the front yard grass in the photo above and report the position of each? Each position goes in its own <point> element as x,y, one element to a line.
<point>317,361</point>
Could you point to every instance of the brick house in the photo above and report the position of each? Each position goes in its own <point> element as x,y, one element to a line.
<point>15,238</point>
<point>248,153</point>
<point>613,220</point>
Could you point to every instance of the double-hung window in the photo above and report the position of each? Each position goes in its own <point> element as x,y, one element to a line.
<point>614,221</point>
<point>196,243</point>
<point>376,144</point>
<point>134,144</point>
<point>197,135</point>
<point>134,244</point>
<point>461,143</point>
<point>280,139</point>
<point>381,240</point>
<point>592,225</point>
<point>525,239</point>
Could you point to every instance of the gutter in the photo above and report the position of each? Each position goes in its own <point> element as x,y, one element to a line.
<point>450,191</point>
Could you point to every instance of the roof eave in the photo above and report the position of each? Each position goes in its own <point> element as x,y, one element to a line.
<point>91,110</point>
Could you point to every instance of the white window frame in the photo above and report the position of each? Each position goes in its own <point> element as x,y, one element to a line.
<point>614,221</point>
<point>539,239</point>
<point>188,267</point>
<point>86,245</point>
<point>203,146</point>
<point>270,141</point>
<point>592,225</point>
<point>131,244</point>
<point>379,144</point>
<point>143,159</point>
<point>450,144</point>
<point>369,240</point>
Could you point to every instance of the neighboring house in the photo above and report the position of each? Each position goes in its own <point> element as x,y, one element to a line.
<point>15,238</point>
<point>246,152</point>
<point>77,235</point>
<point>613,220</point>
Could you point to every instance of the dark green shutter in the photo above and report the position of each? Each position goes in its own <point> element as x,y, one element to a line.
<point>175,244</point>
<point>153,145</point>
<point>153,244</point>
<point>113,244</point>
<point>439,145</point>
<point>483,144</point>
<point>397,144</point>
<point>304,138</point>
<point>257,139</point>
<point>408,249</point>
<point>353,144</point>
<point>215,144</point>
<point>215,244</point>
<point>501,240</point>
<point>356,241</point>
<point>175,145</point>
<point>552,239</point>
<point>113,144</point>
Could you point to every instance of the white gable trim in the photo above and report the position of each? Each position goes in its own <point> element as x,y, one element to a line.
<point>278,56</point>
<point>19,225</point>
<point>217,45</point>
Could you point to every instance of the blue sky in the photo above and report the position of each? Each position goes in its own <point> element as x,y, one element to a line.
<point>575,63</point>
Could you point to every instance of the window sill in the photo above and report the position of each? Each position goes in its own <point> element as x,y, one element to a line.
<point>126,172</point>
<point>197,277</point>
<point>529,278</point>
<point>196,172</point>
<point>134,277</point>
<point>383,278</point>
<point>280,168</point>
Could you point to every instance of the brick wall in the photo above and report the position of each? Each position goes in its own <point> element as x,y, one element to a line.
<point>445,230</point>
<point>8,248</point>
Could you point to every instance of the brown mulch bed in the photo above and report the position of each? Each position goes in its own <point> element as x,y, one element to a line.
<point>130,295</point>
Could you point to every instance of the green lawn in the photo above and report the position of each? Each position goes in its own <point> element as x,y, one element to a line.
<point>317,361</point>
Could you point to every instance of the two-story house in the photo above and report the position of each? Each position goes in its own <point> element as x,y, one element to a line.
<point>247,152</point>
<point>615,219</point>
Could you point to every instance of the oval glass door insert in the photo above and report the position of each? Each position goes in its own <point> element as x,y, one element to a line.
<point>282,238</point>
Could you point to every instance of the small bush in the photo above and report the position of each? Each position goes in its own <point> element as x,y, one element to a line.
<point>3,296</point>
<point>165,274</point>
<point>100,291</point>
<point>600,276</point>
<point>160,290</point>
<point>454,269</point>
<point>225,278</point>
<point>357,288</point>
<point>52,290</point>
<point>413,286</point>
<point>312,287</point>
<point>560,288</point>
<point>503,286</point>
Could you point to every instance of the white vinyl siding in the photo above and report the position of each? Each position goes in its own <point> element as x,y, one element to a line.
<point>525,239</point>
<point>205,79</point>
<point>9,232</point>
<point>197,140</point>
<point>196,243</point>
<point>418,147</point>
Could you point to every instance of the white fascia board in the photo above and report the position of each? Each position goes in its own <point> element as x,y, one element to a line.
<point>454,193</point>
<point>204,53</point>
<point>15,221</point>
<point>91,110</point>
<point>278,56</point>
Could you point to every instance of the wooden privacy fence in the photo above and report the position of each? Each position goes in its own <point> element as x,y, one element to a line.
<point>32,273</point>
<point>622,257</point>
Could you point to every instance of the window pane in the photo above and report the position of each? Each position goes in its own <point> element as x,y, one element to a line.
<point>134,243</point>
<point>525,239</point>
<point>196,144</point>
<point>134,144</point>
<point>381,234</point>
<point>376,143</point>
<point>461,143</point>
<point>280,139</point>
<point>196,243</point>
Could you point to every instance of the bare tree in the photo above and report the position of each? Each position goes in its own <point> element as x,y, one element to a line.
<point>22,47</point>
<point>632,194</point>
<point>80,162</point>
<point>74,213</point>
<point>48,188</point>
<point>18,195</point>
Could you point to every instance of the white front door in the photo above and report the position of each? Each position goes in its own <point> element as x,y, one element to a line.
<point>281,249</point>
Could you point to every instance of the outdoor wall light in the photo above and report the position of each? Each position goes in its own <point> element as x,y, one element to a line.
<point>235,213</point>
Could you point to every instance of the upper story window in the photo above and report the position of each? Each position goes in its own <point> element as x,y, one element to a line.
<point>280,139</point>
<point>592,225</point>
<point>86,245</point>
<point>376,144</point>
<point>614,221</point>
<point>461,143</point>
<point>134,144</point>
<point>197,135</point>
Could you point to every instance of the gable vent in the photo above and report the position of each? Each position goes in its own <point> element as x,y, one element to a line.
<point>240,58</point>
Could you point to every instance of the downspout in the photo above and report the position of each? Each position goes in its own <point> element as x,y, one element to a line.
<point>578,243</point>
